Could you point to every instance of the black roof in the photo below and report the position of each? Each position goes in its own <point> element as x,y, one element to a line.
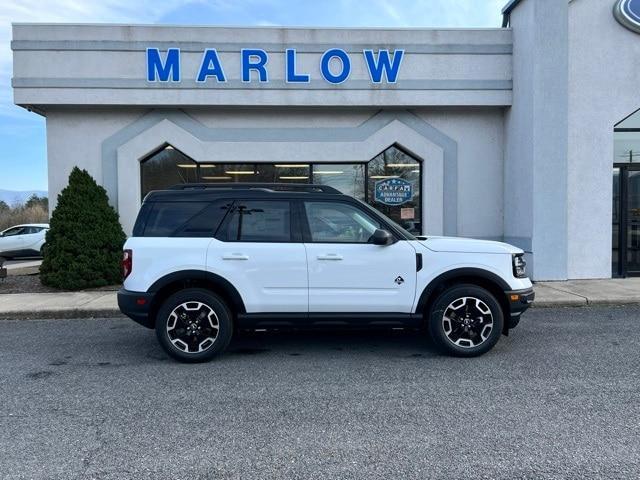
<point>210,191</point>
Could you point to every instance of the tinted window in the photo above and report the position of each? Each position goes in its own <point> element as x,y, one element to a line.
<point>166,167</point>
<point>15,231</point>
<point>166,218</point>
<point>258,221</point>
<point>339,223</point>
<point>206,222</point>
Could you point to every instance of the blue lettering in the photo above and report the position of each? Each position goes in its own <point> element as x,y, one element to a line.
<point>383,65</point>
<point>210,67</point>
<point>292,76</point>
<point>155,66</point>
<point>248,55</point>
<point>326,59</point>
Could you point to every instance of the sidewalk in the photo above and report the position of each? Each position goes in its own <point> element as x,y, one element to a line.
<point>573,293</point>
<point>58,305</point>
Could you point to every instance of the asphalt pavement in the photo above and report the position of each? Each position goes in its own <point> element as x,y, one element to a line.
<point>558,398</point>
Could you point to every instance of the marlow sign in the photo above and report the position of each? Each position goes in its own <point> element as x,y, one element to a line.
<point>382,65</point>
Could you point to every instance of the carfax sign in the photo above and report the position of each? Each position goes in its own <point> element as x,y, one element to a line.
<point>393,191</point>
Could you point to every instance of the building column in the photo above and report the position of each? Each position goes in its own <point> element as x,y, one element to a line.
<point>536,167</point>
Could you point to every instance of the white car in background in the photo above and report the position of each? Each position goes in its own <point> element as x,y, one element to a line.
<point>23,240</point>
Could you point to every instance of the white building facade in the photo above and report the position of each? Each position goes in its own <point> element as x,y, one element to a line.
<point>511,133</point>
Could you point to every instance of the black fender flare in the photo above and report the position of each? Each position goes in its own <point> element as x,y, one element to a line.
<point>201,277</point>
<point>464,273</point>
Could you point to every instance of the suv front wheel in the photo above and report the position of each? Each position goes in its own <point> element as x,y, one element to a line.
<point>465,321</point>
<point>194,325</point>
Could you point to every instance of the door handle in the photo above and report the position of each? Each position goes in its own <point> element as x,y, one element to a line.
<point>235,256</point>
<point>330,256</point>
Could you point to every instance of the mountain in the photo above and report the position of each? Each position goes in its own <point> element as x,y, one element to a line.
<point>12,197</point>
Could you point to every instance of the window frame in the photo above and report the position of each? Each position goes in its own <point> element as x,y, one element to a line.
<point>294,221</point>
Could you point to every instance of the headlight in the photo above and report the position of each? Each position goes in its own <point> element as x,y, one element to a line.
<point>519,266</point>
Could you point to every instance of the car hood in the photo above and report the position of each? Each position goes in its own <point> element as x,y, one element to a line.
<point>468,245</point>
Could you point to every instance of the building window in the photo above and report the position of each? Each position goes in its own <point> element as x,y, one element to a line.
<point>349,178</point>
<point>166,167</point>
<point>255,172</point>
<point>626,197</point>
<point>404,207</point>
<point>372,182</point>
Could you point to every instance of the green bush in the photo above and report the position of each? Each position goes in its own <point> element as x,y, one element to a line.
<point>84,245</point>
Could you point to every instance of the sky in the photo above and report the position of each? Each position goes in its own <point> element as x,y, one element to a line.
<point>23,164</point>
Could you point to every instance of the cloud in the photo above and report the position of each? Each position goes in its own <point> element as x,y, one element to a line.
<point>70,11</point>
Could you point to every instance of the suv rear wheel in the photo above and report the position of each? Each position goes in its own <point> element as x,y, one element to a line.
<point>194,325</point>
<point>465,321</point>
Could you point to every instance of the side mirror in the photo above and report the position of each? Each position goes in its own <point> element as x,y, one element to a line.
<point>382,237</point>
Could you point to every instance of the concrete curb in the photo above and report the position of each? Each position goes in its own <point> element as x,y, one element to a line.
<point>73,313</point>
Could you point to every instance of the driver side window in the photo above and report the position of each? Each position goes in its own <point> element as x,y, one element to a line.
<point>339,223</point>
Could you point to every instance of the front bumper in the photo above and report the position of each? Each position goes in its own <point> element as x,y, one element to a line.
<point>519,301</point>
<point>136,306</point>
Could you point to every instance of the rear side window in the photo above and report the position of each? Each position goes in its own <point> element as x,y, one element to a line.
<point>258,221</point>
<point>184,219</point>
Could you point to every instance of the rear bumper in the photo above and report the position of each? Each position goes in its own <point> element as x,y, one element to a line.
<point>136,306</point>
<point>519,301</point>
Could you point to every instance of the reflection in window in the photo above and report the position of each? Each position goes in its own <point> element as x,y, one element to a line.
<point>165,168</point>
<point>339,223</point>
<point>255,172</point>
<point>390,164</point>
<point>259,221</point>
<point>347,178</point>
<point>626,140</point>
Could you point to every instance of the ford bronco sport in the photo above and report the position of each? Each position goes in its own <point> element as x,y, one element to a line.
<point>205,259</point>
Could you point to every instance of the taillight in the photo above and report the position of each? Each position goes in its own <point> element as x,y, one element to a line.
<point>127,263</point>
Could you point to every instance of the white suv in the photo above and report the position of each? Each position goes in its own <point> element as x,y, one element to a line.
<point>207,259</point>
<point>23,240</point>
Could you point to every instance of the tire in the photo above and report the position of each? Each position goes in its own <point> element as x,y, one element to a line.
<point>460,318</point>
<point>186,325</point>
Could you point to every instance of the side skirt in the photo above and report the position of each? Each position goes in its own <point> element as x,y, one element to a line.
<point>338,319</point>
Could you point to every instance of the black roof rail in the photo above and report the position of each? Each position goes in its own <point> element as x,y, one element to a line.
<point>270,187</point>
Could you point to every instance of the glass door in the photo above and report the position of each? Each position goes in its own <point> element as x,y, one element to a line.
<point>633,221</point>
<point>626,221</point>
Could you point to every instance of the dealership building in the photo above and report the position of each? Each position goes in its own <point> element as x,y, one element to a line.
<point>524,133</point>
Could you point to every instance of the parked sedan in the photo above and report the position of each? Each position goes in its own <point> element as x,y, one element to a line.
<point>23,240</point>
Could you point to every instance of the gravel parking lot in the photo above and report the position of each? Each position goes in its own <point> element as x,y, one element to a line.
<point>98,399</point>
